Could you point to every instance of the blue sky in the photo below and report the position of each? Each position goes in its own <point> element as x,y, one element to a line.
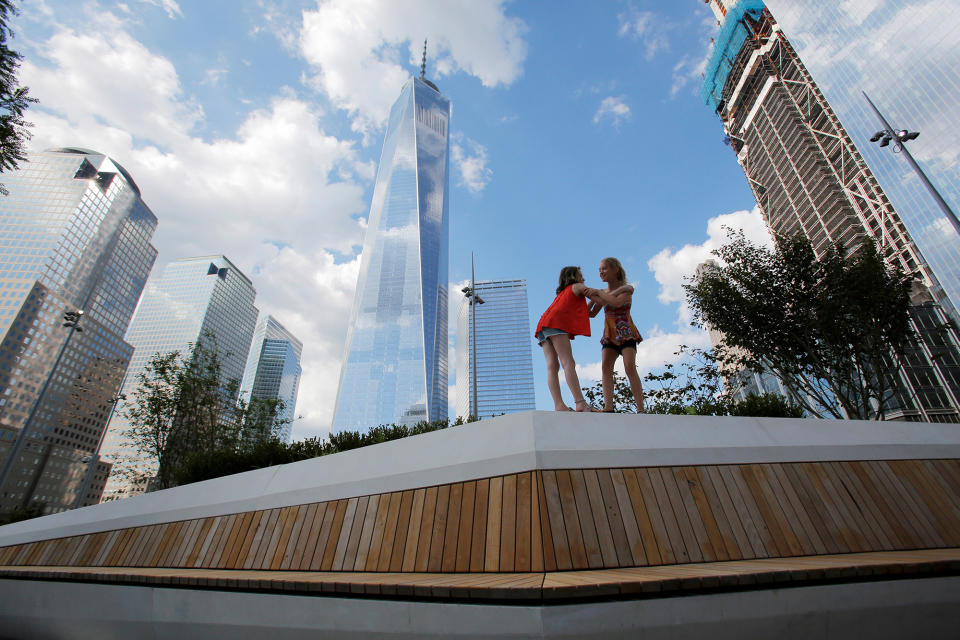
<point>253,129</point>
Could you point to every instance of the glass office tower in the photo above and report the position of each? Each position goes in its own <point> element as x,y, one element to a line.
<point>74,236</point>
<point>395,365</point>
<point>193,299</point>
<point>906,56</point>
<point>809,176</point>
<point>273,369</point>
<point>500,343</point>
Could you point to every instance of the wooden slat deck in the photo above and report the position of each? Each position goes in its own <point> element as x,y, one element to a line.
<point>557,520</point>
<point>529,588</point>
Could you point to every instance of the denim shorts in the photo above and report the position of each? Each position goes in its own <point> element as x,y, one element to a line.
<point>546,332</point>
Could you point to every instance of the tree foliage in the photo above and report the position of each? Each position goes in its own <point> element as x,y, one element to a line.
<point>14,99</point>
<point>694,386</point>
<point>183,406</point>
<point>834,330</point>
<point>204,465</point>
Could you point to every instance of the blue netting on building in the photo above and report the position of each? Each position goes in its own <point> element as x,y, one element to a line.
<point>726,45</point>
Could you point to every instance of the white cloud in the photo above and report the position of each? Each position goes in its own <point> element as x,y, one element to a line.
<point>859,10</point>
<point>657,349</point>
<point>363,50</point>
<point>672,268</point>
<point>613,109</point>
<point>688,70</point>
<point>470,158</point>
<point>171,7</point>
<point>644,26</point>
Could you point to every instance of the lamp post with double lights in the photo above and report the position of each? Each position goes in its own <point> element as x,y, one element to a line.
<point>887,135</point>
<point>471,295</point>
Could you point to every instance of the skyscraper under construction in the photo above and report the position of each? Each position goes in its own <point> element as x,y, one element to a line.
<point>808,176</point>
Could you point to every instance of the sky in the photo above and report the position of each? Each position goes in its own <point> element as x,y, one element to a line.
<point>253,129</point>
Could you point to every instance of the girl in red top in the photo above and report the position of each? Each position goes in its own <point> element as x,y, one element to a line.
<point>566,317</point>
<point>620,335</point>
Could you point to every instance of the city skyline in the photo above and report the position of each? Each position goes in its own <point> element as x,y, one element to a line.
<point>578,134</point>
<point>273,369</point>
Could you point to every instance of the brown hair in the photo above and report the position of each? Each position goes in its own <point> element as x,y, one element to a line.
<point>613,263</point>
<point>569,276</point>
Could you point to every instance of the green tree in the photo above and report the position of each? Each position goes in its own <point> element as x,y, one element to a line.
<point>694,386</point>
<point>14,99</point>
<point>834,330</point>
<point>182,406</point>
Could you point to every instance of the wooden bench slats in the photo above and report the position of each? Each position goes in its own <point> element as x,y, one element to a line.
<point>557,520</point>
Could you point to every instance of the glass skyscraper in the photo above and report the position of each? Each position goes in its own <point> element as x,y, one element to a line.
<point>192,299</point>
<point>273,369</point>
<point>395,364</point>
<point>906,56</point>
<point>500,342</point>
<point>74,236</point>
<point>808,176</point>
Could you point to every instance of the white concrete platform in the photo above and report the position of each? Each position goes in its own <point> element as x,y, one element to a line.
<point>511,444</point>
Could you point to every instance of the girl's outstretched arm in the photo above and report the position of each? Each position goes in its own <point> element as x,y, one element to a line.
<point>616,298</point>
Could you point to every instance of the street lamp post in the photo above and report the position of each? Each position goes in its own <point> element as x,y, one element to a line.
<point>471,295</point>
<point>887,135</point>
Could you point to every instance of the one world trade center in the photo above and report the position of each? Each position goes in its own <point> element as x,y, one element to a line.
<point>395,363</point>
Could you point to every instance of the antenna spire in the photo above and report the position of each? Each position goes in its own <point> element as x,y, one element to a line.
<point>423,63</point>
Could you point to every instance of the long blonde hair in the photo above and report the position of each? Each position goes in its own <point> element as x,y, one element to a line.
<point>613,263</point>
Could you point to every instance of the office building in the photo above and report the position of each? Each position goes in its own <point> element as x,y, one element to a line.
<point>273,370</point>
<point>196,299</point>
<point>496,336</point>
<point>808,176</point>
<point>906,56</point>
<point>395,364</point>
<point>74,237</point>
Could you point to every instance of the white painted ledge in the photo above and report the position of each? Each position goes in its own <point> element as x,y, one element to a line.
<point>510,444</point>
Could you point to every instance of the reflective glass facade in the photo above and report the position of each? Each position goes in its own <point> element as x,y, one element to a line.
<point>191,299</point>
<point>504,371</point>
<point>906,55</point>
<point>273,369</point>
<point>74,235</point>
<point>395,364</point>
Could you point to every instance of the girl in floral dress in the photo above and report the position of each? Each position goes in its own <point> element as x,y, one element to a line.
<point>620,335</point>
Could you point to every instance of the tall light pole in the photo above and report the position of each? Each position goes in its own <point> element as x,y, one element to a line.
<point>888,134</point>
<point>471,295</point>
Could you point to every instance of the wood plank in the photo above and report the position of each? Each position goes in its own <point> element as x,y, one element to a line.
<point>746,507</point>
<point>646,512</point>
<point>779,505</point>
<point>681,481</point>
<point>783,537</point>
<point>478,541</point>
<point>869,510</point>
<point>598,513</point>
<point>229,523</point>
<point>523,522</point>
<point>491,557</point>
<point>853,540</point>
<point>426,529</point>
<point>588,527</point>
<point>343,541</point>
<point>838,498</point>
<point>159,547</point>
<point>614,517</point>
<point>949,470</point>
<point>235,540</point>
<point>261,539</point>
<point>735,539</point>
<point>856,507</point>
<point>304,553</point>
<point>105,551</point>
<point>818,512</point>
<point>798,514</point>
<point>940,509</point>
<point>448,561</point>
<point>552,516</point>
<point>212,533</point>
<point>403,526</point>
<point>366,532</point>
<point>894,514</point>
<point>201,537</point>
<point>682,538</point>
<point>938,493</point>
<point>413,531</point>
<point>175,544</point>
<point>435,562</point>
<point>942,483</point>
<point>389,531</point>
<point>353,540</point>
<point>466,533</point>
<point>379,526</point>
<point>628,519</point>
<point>298,530</point>
<point>189,539</point>
<point>142,547</point>
<point>920,518</point>
<point>295,514</point>
<point>571,521</point>
<point>508,524</point>
<point>538,534</point>
<point>336,529</point>
<point>316,559</point>
<point>113,558</point>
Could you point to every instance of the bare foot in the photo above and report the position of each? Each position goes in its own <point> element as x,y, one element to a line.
<point>584,407</point>
<point>562,408</point>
